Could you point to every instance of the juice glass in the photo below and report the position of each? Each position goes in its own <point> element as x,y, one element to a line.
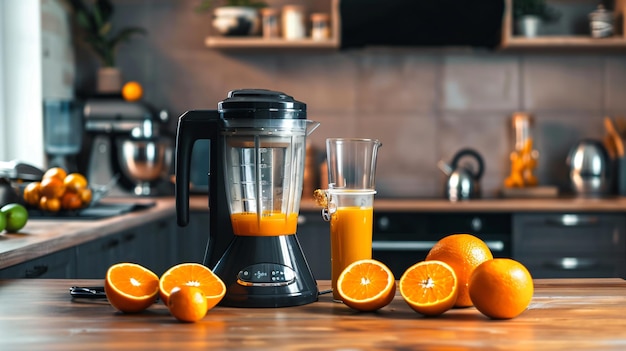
<point>351,223</point>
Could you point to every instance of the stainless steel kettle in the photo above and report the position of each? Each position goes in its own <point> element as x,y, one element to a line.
<point>463,182</point>
<point>590,168</point>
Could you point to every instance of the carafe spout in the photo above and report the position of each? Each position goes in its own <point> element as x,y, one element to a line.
<point>311,126</point>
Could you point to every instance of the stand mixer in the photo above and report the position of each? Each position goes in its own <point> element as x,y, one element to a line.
<point>257,152</point>
<point>127,146</point>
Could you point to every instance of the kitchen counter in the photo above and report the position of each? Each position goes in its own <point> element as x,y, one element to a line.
<point>47,235</point>
<point>565,314</point>
<point>557,204</point>
<point>44,236</point>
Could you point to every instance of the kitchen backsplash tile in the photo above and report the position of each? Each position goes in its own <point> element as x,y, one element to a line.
<point>393,81</point>
<point>615,87</point>
<point>424,104</point>
<point>563,82</point>
<point>481,82</point>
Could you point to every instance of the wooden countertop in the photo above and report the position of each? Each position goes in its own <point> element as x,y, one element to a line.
<point>565,314</point>
<point>44,236</point>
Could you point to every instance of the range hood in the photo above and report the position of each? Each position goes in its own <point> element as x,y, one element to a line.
<point>421,23</point>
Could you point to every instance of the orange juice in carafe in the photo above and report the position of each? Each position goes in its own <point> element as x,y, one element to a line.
<point>350,239</point>
<point>267,224</point>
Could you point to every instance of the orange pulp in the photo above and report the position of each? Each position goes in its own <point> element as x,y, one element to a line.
<point>350,239</point>
<point>269,224</point>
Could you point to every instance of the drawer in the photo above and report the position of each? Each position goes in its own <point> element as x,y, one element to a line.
<point>569,234</point>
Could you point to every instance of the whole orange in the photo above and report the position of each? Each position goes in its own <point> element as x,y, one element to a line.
<point>463,252</point>
<point>32,193</point>
<point>55,172</point>
<point>501,288</point>
<point>74,182</point>
<point>52,204</point>
<point>52,187</point>
<point>132,91</point>
<point>187,303</point>
<point>71,201</point>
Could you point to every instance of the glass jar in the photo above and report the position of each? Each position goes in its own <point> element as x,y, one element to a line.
<point>293,22</point>
<point>270,23</point>
<point>320,29</point>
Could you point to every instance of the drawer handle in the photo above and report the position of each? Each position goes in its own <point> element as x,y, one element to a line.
<point>36,272</point>
<point>494,245</point>
<point>571,220</point>
<point>571,263</point>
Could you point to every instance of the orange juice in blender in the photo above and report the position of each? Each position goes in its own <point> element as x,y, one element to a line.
<point>350,238</point>
<point>267,224</point>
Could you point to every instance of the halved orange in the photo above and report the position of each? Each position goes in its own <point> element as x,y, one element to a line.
<point>366,285</point>
<point>429,287</point>
<point>192,274</point>
<point>130,287</point>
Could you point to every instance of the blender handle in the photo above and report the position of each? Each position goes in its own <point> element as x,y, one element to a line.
<point>192,126</point>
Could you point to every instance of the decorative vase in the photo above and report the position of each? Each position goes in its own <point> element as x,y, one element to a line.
<point>109,80</point>
<point>528,25</point>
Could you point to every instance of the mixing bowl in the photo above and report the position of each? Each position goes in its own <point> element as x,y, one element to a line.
<point>143,161</point>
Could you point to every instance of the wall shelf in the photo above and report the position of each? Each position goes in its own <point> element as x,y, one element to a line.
<point>512,41</point>
<point>258,42</point>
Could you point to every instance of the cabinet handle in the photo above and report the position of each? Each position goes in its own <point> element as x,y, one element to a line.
<point>36,272</point>
<point>572,220</point>
<point>111,244</point>
<point>571,263</point>
<point>494,245</point>
<point>129,237</point>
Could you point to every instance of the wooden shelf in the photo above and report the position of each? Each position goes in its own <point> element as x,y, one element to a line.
<point>262,43</point>
<point>511,41</point>
<point>255,43</point>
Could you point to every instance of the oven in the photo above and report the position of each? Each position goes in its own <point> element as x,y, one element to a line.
<point>401,239</point>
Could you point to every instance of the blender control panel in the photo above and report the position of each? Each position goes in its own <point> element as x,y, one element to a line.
<point>266,274</point>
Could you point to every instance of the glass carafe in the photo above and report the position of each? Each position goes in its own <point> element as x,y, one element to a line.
<point>264,168</point>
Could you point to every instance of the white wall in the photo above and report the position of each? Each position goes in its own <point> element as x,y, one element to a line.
<point>21,131</point>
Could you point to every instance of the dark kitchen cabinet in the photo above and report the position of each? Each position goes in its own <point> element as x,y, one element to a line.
<point>192,239</point>
<point>571,245</point>
<point>58,265</point>
<point>314,238</point>
<point>152,245</point>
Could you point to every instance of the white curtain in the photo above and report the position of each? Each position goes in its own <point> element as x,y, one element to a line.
<point>21,128</point>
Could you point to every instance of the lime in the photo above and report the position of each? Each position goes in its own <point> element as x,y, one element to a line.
<point>3,221</point>
<point>16,217</point>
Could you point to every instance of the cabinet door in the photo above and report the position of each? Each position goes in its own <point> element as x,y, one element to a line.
<point>314,237</point>
<point>191,240</point>
<point>151,245</point>
<point>581,245</point>
<point>59,265</point>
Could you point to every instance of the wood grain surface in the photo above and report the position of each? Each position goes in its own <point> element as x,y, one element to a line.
<point>565,314</point>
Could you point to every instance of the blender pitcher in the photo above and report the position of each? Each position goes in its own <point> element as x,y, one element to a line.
<point>256,168</point>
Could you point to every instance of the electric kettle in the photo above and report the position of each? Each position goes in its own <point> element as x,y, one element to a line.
<point>463,182</point>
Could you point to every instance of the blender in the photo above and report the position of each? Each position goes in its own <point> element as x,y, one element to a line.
<point>256,167</point>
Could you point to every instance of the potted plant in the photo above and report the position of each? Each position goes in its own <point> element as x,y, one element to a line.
<point>95,21</point>
<point>529,14</point>
<point>235,17</point>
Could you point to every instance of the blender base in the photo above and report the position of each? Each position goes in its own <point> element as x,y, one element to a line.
<point>266,271</point>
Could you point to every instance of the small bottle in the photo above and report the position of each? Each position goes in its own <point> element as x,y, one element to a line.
<point>320,29</point>
<point>293,22</point>
<point>601,22</point>
<point>270,23</point>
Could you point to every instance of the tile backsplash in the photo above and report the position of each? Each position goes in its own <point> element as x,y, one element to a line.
<point>424,104</point>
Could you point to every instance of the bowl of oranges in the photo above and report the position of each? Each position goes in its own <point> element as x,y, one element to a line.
<point>58,191</point>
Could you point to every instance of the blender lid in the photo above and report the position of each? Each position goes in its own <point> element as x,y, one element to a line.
<point>261,104</point>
